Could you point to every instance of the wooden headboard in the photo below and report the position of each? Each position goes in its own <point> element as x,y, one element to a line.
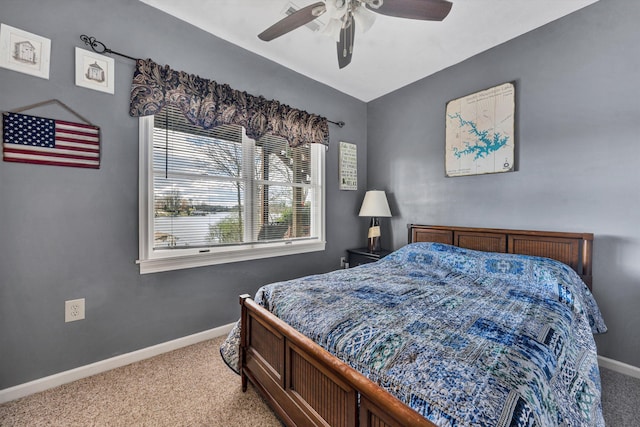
<point>573,249</point>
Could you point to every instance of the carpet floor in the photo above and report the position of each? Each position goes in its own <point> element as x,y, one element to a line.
<point>187,387</point>
<point>193,387</point>
<point>620,399</point>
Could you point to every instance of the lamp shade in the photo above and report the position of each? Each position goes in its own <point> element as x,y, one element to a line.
<point>375,204</point>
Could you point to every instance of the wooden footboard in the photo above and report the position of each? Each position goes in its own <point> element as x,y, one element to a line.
<point>306,385</point>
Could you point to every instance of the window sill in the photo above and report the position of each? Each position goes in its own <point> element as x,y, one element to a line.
<point>169,263</point>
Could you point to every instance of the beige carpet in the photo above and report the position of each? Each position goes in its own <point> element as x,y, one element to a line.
<point>187,387</point>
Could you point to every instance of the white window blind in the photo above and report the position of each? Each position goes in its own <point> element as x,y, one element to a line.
<point>216,192</point>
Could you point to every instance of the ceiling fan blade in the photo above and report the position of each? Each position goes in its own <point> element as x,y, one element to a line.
<point>345,44</point>
<point>296,19</point>
<point>426,10</point>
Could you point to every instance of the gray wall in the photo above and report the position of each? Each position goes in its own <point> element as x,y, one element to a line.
<point>578,121</point>
<point>71,233</point>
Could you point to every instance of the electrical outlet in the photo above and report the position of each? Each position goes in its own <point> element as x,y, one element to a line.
<point>74,310</point>
<point>343,262</point>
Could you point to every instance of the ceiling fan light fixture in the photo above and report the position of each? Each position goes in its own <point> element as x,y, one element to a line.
<point>345,16</point>
<point>336,9</point>
<point>333,28</point>
<point>364,19</point>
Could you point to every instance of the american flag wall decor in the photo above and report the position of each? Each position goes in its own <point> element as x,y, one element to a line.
<point>31,139</point>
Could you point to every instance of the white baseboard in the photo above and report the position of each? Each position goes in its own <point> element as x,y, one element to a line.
<point>620,367</point>
<point>55,380</point>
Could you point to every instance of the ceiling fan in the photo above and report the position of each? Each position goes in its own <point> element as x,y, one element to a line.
<point>346,15</point>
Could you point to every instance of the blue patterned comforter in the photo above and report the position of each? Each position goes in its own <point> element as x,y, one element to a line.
<point>465,338</point>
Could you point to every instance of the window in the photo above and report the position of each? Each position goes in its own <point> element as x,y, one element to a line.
<point>215,196</point>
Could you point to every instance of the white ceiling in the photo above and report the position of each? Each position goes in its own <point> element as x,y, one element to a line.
<point>392,54</point>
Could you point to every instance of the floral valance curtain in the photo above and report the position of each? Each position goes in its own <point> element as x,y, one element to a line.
<point>207,104</point>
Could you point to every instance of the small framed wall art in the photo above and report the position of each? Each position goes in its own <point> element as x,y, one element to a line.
<point>480,132</point>
<point>24,52</point>
<point>348,166</point>
<point>94,71</point>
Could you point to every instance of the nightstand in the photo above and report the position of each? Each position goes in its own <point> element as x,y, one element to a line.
<point>363,256</point>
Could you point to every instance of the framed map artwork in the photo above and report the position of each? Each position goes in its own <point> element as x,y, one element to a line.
<point>480,134</point>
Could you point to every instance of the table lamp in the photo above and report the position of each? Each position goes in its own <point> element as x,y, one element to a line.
<point>374,205</point>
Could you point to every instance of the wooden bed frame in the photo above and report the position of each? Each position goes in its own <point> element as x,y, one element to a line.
<point>307,386</point>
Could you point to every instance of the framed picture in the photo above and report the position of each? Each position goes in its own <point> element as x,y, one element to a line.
<point>480,134</point>
<point>94,71</point>
<point>24,52</point>
<point>348,166</point>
